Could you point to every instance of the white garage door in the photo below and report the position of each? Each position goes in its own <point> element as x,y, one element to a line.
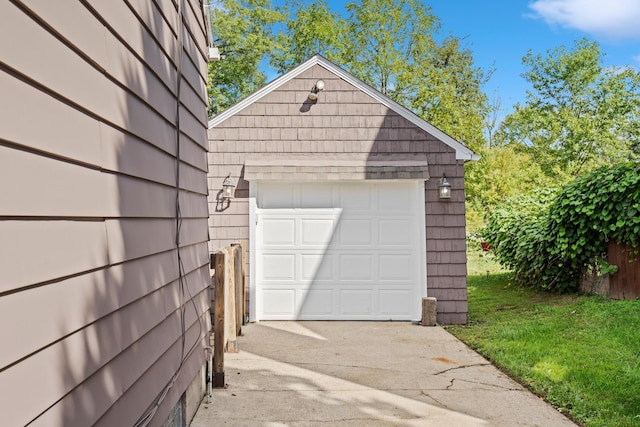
<point>340,251</point>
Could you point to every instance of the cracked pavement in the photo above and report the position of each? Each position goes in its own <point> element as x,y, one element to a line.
<point>365,374</point>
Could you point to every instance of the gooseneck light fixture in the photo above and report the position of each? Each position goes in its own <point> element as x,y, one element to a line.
<point>444,188</point>
<point>228,186</point>
<point>318,87</point>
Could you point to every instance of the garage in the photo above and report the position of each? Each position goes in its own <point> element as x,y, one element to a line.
<point>337,201</point>
<point>339,250</point>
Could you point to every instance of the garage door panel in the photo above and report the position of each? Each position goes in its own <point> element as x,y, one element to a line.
<point>317,267</point>
<point>315,231</point>
<point>278,232</point>
<point>316,195</point>
<point>316,303</point>
<point>279,303</point>
<point>356,232</point>
<point>356,302</point>
<point>395,302</point>
<point>396,231</point>
<point>395,267</point>
<point>356,267</point>
<point>279,267</point>
<point>276,196</point>
<point>394,196</point>
<point>356,197</point>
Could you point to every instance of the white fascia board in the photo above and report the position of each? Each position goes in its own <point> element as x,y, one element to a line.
<point>462,151</point>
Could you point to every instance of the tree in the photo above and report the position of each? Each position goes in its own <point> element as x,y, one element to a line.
<point>310,30</point>
<point>387,35</point>
<point>448,92</point>
<point>579,114</point>
<point>394,47</point>
<point>502,172</point>
<point>243,30</point>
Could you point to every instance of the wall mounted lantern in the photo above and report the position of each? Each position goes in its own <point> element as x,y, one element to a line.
<point>228,186</point>
<point>444,188</point>
<point>319,86</point>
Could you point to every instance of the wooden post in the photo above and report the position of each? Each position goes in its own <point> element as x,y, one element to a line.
<point>218,321</point>
<point>238,273</point>
<point>429,311</point>
<point>230,302</point>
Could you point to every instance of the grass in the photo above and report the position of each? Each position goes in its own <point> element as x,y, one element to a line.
<point>580,352</point>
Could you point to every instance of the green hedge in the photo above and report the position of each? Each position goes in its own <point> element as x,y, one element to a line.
<point>549,238</point>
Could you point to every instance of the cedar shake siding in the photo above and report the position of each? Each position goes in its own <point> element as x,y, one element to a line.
<point>344,123</point>
<point>90,290</point>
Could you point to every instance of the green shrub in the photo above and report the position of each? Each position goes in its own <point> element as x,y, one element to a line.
<point>517,233</point>
<point>550,238</point>
<point>592,210</point>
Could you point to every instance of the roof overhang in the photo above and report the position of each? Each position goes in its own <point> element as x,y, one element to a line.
<point>332,167</point>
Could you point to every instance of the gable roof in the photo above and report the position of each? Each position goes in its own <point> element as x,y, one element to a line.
<point>462,151</point>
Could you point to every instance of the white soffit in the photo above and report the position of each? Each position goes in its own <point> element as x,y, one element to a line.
<point>462,151</point>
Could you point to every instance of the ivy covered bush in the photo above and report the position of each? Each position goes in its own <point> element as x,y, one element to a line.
<point>549,237</point>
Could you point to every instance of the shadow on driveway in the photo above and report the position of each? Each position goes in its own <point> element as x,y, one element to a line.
<point>365,374</point>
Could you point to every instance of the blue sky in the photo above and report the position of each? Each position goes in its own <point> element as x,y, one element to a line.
<point>500,32</point>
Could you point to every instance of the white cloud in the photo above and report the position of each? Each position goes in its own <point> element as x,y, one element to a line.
<point>612,19</point>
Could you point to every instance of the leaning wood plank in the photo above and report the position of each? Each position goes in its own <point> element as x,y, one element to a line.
<point>230,300</point>
<point>238,273</point>
<point>218,322</point>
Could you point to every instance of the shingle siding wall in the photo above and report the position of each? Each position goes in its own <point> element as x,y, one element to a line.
<point>89,291</point>
<point>344,120</point>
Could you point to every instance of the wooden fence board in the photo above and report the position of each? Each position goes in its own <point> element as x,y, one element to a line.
<point>625,283</point>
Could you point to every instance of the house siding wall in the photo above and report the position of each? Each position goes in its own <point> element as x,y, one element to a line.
<point>90,296</point>
<point>344,120</point>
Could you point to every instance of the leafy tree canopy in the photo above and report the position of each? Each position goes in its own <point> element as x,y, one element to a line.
<point>244,31</point>
<point>310,28</point>
<point>579,115</point>
<point>501,172</point>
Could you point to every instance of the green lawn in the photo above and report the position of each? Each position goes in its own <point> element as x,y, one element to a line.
<point>581,353</point>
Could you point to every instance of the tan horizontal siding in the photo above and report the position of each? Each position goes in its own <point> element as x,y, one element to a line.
<point>37,251</point>
<point>194,79</point>
<point>88,89</point>
<point>117,16</point>
<point>63,189</point>
<point>195,26</point>
<point>106,386</point>
<point>128,407</point>
<point>79,292</point>
<point>135,238</point>
<point>152,18</point>
<point>190,125</point>
<point>88,158</point>
<point>191,153</point>
<point>143,161</point>
<point>33,118</point>
<point>92,350</point>
<point>193,102</point>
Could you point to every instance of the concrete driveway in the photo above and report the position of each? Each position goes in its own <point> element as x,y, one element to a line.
<point>366,374</point>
